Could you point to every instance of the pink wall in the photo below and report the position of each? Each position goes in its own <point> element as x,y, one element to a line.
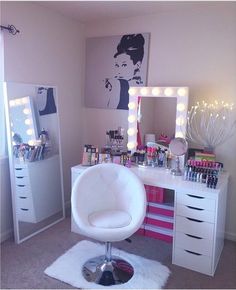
<point>49,50</point>
<point>191,46</point>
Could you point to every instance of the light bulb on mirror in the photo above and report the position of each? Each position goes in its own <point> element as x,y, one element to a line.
<point>131,105</point>
<point>179,134</point>
<point>28,122</point>
<point>30,132</point>
<point>31,142</point>
<point>131,119</point>
<point>26,111</point>
<point>180,107</point>
<point>180,121</point>
<point>168,92</point>
<point>18,102</point>
<point>131,145</point>
<point>131,131</point>
<point>156,92</point>
<point>12,103</point>
<point>144,91</point>
<point>25,100</point>
<point>181,92</point>
<point>132,92</point>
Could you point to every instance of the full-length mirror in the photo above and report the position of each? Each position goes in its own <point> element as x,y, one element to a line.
<point>34,156</point>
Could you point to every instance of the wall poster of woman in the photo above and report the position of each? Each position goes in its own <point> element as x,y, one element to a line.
<point>113,65</point>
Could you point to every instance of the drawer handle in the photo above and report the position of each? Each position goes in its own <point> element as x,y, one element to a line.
<point>21,185</point>
<point>22,197</point>
<point>20,177</point>
<point>192,236</point>
<point>18,168</point>
<point>194,220</point>
<point>192,207</point>
<point>195,196</point>
<point>197,254</point>
<point>24,209</point>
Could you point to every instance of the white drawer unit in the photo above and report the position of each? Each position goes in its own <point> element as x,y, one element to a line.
<point>22,180</point>
<point>21,170</point>
<point>195,212</point>
<point>194,243</point>
<point>23,190</point>
<point>25,214</point>
<point>37,189</point>
<point>24,202</point>
<point>196,227</point>
<point>199,229</point>
<point>197,201</point>
<point>199,217</point>
<point>193,261</point>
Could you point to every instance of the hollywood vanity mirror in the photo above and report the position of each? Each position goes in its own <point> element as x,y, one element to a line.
<point>34,157</point>
<point>158,110</point>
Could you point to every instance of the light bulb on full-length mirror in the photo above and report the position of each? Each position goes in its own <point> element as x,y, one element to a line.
<point>28,122</point>
<point>26,111</point>
<point>25,100</point>
<point>31,142</point>
<point>29,132</point>
<point>12,103</point>
<point>18,102</point>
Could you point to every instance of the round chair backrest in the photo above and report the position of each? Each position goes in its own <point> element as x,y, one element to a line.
<point>108,187</point>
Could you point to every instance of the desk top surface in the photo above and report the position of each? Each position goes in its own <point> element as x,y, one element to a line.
<point>162,177</point>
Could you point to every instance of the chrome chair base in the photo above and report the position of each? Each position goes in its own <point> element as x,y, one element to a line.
<point>107,273</point>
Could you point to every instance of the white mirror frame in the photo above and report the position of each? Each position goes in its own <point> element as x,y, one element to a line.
<point>180,93</point>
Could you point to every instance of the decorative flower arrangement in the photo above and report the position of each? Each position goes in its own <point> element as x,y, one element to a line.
<point>210,125</point>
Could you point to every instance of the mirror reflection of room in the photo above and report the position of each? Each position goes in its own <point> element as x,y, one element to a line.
<point>158,117</point>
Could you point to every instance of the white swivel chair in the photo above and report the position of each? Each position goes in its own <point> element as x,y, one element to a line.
<point>109,205</point>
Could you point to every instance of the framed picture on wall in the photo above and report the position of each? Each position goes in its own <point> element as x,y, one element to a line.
<point>113,64</point>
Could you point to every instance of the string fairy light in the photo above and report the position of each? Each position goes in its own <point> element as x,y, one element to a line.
<point>210,125</point>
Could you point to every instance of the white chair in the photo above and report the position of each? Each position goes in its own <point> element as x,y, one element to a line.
<point>109,205</point>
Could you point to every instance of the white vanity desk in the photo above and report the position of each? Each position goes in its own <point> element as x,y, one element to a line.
<point>199,217</point>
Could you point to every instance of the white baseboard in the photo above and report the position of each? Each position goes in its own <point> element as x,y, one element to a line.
<point>6,235</point>
<point>230,236</point>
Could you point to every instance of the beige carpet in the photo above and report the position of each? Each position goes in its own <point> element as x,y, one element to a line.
<point>22,266</point>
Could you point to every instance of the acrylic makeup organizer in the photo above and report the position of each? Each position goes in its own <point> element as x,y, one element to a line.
<point>203,172</point>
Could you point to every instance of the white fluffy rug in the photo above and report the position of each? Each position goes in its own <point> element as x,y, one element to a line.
<point>67,268</point>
